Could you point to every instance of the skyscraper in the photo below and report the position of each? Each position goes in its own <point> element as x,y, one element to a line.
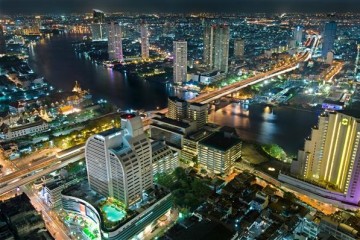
<point>331,157</point>
<point>98,27</point>
<point>328,38</point>
<point>119,161</point>
<point>239,47</point>
<point>144,40</point>
<point>115,50</point>
<point>180,61</point>
<point>216,47</point>
<point>298,35</point>
<point>2,41</point>
<point>98,16</point>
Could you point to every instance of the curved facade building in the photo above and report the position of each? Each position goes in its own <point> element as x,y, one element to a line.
<point>119,161</point>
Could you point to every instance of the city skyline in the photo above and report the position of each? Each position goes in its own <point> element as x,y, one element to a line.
<point>194,126</point>
<point>278,6</point>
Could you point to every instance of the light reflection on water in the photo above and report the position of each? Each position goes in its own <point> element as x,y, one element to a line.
<point>283,126</point>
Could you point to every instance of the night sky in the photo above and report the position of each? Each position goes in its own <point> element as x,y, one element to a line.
<point>69,6</point>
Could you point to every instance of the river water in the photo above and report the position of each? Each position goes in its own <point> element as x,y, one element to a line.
<point>55,59</point>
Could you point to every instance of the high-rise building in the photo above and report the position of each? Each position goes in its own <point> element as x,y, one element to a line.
<point>298,35</point>
<point>98,27</point>
<point>177,108</point>
<point>331,158</point>
<point>145,45</point>
<point>2,41</point>
<point>239,47</point>
<point>119,161</point>
<point>98,16</point>
<point>180,61</point>
<point>357,64</point>
<point>115,50</point>
<point>328,38</point>
<point>199,113</point>
<point>99,31</point>
<point>216,47</point>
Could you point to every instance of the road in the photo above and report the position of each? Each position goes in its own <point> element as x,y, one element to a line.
<point>52,222</point>
<point>24,176</point>
<point>288,67</point>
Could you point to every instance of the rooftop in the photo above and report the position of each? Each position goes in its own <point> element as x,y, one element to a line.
<point>172,122</point>
<point>219,141</point>
<point>109,132</point>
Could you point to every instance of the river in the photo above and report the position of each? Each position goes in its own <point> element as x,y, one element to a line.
<point>55,59</point>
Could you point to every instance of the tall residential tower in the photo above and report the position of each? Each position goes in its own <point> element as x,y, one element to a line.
<point>145,45</point>
<point>115,50</point>
<point>216,47</point>
<point>180,61</point>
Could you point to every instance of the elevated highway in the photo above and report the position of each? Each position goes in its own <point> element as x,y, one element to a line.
<point>301,57</point>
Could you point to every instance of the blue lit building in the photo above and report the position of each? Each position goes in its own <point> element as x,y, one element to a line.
<point>328,38</point>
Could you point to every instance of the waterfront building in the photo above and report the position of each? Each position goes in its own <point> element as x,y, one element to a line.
<point>218,152</point>
<point>145,45</point>
<point>216,47</point>
<point>115,49</point>
<point>98,16</point>
<point>180,61</point>
<point>329,164</point>
<point>239,47</point>
<point>329,36</point>
<point>119,161</point>
<point>198,113</point>
<point>98,27</point>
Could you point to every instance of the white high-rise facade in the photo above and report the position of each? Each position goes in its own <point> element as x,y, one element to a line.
<point>180,61</point>
<point>145,45</point>
<point>216,47</point>
<point>119,161</point>
<point>115,50</point>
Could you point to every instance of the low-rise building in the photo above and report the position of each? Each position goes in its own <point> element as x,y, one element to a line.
<point>218,152</point>
<point>52,192</point>
<point>164,159</point>
<point>9,133</point>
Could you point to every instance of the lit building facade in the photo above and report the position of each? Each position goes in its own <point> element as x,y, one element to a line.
<point>216,47</point>
<point>298,35</point>
<point>199,113</point>
<point>164,159</point>
<point>145,45</point>
<point>119,162</point>
<point>239,47</point>
<point>99,29</point>
<point>331,159</point>
<point>177,108</point>
<point>180,61</point>
<point>115,50</point>
<point>328,38</point>
<point>218,152</point>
